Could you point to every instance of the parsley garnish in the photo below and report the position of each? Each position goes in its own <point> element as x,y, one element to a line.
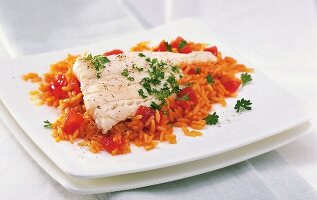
<point>141,93</point>
<point>197,70</point>
<point>245,78</point>
<point>210,80</point>
<point>246,104</point>
<point>175,69</point>
<point>47,124</point>
<point>155,106</point>
<point>125,73</point>
<point>212,119</point>
<point>182,44</point>
<point>153,85</point>
<point>168,47</point>
<point>130,78</point>
<point>185,97</point>
<point>140,69</point>
<point>141,55</point>
<point>98,62</point>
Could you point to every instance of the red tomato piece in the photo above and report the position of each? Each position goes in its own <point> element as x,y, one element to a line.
<point>186,49</point>
<point>183,104</point>
<point>175,42</point>
<point>213,50</point>
<point>74,83</point>
<point>161,46</point>
<point>113,52</point>
<point>108,144</point>
<point>191,72</point>
<point>190,92</point>
<point>73,122</point>
<point>146,112</point>
<point>56,87</point>
<point>232,85</point>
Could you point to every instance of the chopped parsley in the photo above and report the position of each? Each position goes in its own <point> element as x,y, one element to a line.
<point>168,47</point>
<point>130,78</point>
<point>175,69</point>
<point>140,69</point>
<point>159,82</point>
<point>141,55</point>
<point>155,106</point>
<point>212,119</point>
<point>246,104</point>
<point>98,62</point>
<point>182,44</point>
<point>141,93</point>
<point>197,70</point>
<point>47,124</point>
<point>210,80</point>
<point>125,73</point>
<point>185,97</point>
<point>245,78</point>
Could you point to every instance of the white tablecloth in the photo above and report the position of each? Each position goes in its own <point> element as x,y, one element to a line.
<point>277,36</point>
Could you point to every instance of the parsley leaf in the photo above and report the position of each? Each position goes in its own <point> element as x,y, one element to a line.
<point>141,55</point>
<point>246,104</point>
<point>140,69</point>
<point>141,93</point>
<point>182,44</point>
<point>175,69</point>
<point>197,70</point>
<point>168,47</point>
<point>130,78</point>
<point>210,80</point>
<point>185,97</point>
<point>125,73</point>
<point>47,124</point>
<point>212,119</point>
<point>245,78</point>
<point>155,106</point>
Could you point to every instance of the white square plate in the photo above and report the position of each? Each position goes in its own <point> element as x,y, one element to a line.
<point>274,110</point>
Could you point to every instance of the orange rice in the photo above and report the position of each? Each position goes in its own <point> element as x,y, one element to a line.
<point>133,131</point>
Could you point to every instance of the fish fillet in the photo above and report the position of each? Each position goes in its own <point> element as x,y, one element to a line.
<point>112,98</point>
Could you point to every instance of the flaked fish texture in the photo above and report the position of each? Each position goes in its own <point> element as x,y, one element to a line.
<point>111,97</point>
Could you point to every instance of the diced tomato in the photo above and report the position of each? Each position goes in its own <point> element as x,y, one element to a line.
<point>186,49</point>
<point>113,52</point>
<point>232,85</point>
<point>73,122</point>
<point>212,50</point>
<point>175,42</point>
<point>183,104</point>
<point>56,87</point>
<point>190,92</point>
<point>191,72</point>
<point>108,144</point>
<point>74,83</point>
<point>161,46</point>
<point>146,112</point>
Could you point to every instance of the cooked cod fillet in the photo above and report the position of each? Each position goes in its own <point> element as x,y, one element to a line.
<point>112,98</point>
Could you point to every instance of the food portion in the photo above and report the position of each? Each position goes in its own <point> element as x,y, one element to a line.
<point>113,94</point>
<point>113,100</point>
